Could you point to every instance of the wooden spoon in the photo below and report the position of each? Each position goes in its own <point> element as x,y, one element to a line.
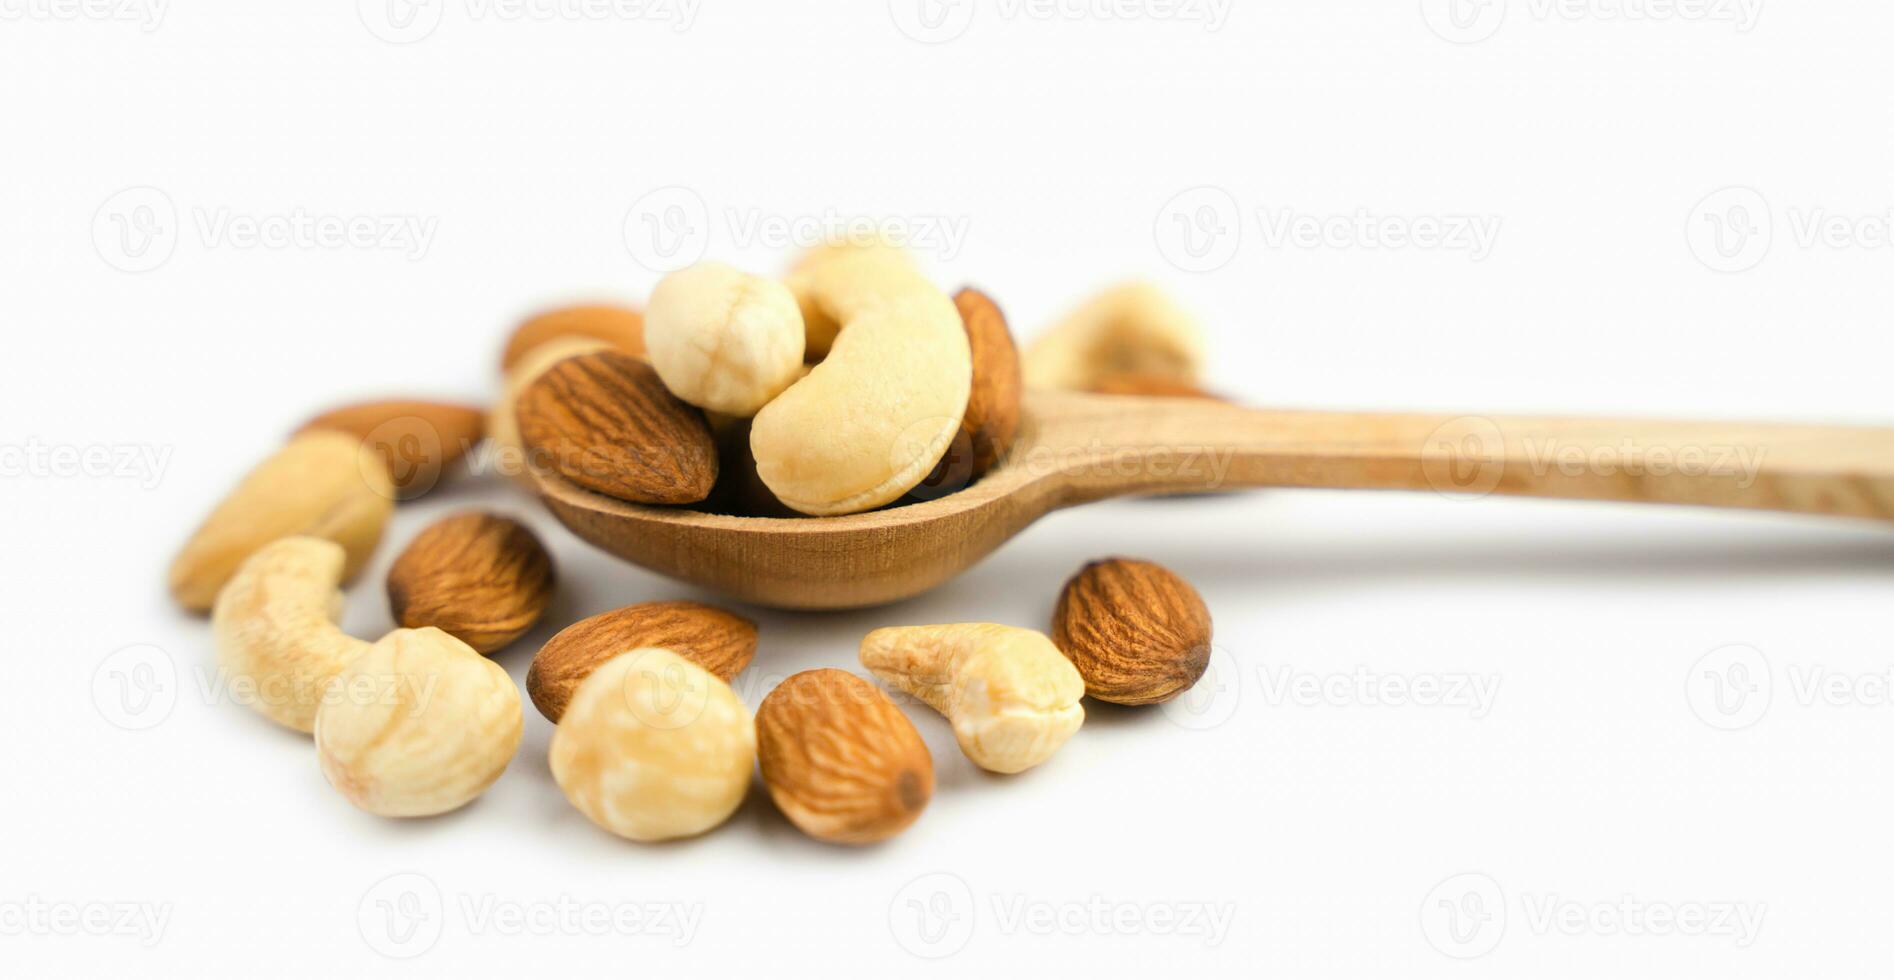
<point>1076,448</point>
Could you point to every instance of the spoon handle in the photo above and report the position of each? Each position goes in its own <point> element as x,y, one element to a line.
<point>1114,446</point>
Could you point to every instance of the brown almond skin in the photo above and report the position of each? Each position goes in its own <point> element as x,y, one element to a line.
<point>1137,632</point>
<point>991,423</point>
<point>620,326</point>
<point>719,641</point>
<point>993,408</point>
<point>483,578</point>
<point>840,760</point>
<point>607,423</point>
<point>419,440</point>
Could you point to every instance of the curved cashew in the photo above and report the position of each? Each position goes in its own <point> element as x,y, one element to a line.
<point>1133,330</point>
<point>819,322</point>
<point>722,339</point>
<point>322,484</point>
<point>1011,696</point>
<point>871,420</point>
<point>275,628</point>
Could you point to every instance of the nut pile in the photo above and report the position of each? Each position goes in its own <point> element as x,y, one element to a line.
<point>850,384</point>
<point>850,381</point>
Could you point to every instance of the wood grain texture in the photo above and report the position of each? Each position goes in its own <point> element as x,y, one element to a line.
<point>840,760</point>
<point>717,640</point>
<point>1137,632</point>
<point>606,422</point>
<point>485,579</point>
<point>1075,448</point>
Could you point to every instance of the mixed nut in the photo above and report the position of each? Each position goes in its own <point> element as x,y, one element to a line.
<point>840,760</point>
<point>482,578</point>
<point>653,747</point>
<point>418,725</point>
<point>853,383</point>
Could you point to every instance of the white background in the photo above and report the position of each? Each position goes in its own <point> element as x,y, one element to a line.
<point>1594,136</point>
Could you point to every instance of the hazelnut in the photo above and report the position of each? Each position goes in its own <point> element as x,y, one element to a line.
<point>418,725</point>
<point>652,747</point>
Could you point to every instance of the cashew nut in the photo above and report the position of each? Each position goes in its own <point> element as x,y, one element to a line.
<point>323,484</point>
<point>871,420</point>
<point>275,628</point>
<point>819,323</point>
<point>722,339</point>
<point>420,724</point>
<point>503,426</point>
<point>1011,696</point>
<point>653,747</point>
<point>1129,330</point>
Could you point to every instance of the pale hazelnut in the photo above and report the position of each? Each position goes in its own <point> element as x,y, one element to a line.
<point>652,747</point>
<point>418,725</point>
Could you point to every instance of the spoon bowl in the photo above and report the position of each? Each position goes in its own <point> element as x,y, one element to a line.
<point>1076,448</point>
<point>813,562</point>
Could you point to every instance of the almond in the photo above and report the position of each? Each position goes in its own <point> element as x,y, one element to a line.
<point>840,760</point>
<point>1137,632</point>
<point>483,578</point>
<point>720,642</point>
<point>605,422</point>
<point>991,422</point>
<point>503,420</point>
<point>418,440</point>
<point>618,326</point>
<point>993,409</point>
